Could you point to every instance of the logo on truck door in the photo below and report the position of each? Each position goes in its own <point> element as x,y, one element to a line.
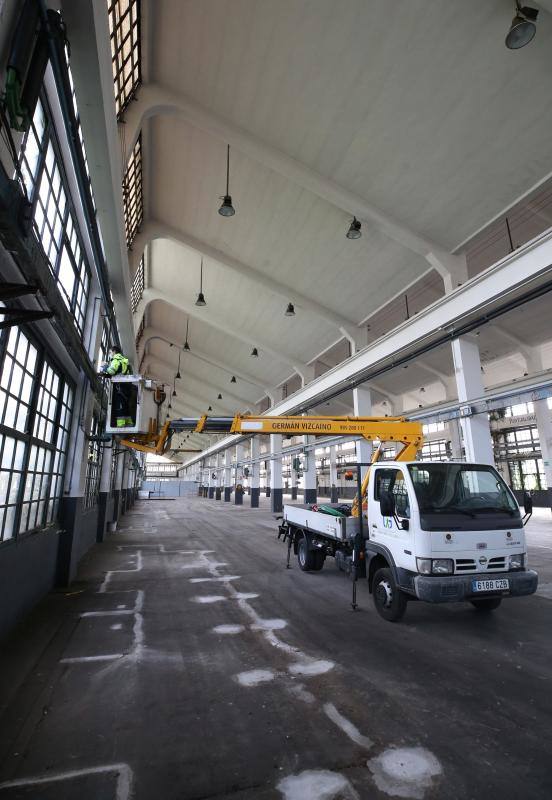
<point>387,522</point>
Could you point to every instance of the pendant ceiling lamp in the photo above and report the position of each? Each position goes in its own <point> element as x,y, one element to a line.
<point>354,229</point>
<point>201,297</point>
<point>523,28</point>
<point>227,209</point>
<point>186,345</point>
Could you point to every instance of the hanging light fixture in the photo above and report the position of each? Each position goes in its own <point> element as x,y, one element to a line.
<point>178,375</point>
<point>290,310</point>
<point>210,408</point>
<point>201,297</point>
<point>227,209</point>
<point>219,396</point>
<point>233,379</point>
<point>174,392</point>
<point>255,353</point>
<point>523,28</point>
<point>170,406</point>
<point>354,229</point>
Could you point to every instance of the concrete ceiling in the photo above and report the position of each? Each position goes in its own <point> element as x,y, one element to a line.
<point>415,107</point>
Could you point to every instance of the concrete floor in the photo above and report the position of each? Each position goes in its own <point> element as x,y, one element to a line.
<point>126,685</point>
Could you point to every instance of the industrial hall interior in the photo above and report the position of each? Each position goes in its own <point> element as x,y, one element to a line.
<point>275,399</point>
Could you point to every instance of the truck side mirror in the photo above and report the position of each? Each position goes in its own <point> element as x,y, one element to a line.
<point>387,504</point>
<point>527,503</point>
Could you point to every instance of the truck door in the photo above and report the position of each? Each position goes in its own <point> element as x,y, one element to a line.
<point>383,528</point>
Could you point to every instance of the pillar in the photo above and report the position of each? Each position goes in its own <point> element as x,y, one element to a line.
<point>476,430</point>
<point>118,485</point>
<point>333,474</point>
<point>276,494</point>
<point>455,440</point>
<point>219,479</point>
<point>309,472</point>
<point>238,493</point>
<point>255,454</point>
<point>544,427</point>
<point>227,475</point>
<point>294,479</point>
<point>362,404</point>
<point>210,482</point>
<point>103,495</point>
<point>267,477</point>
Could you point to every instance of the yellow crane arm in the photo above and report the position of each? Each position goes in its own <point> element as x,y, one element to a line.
<point>396,430</point>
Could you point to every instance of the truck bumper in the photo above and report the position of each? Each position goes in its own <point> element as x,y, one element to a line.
<point>453,588</point>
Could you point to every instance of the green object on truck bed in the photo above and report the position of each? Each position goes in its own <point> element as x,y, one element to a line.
<point>334,512</point>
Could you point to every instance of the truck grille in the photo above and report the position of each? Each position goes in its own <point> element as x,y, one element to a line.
<point>470,565</point>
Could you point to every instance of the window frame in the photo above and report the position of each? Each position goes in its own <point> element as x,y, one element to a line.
<point>29,439</point>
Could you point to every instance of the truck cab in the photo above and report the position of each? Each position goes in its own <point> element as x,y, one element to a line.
<point>432,531</point>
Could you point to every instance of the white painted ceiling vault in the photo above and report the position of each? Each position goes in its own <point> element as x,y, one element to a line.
<point>410,114</point>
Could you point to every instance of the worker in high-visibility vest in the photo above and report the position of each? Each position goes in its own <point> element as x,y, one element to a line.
<point>118,364</point>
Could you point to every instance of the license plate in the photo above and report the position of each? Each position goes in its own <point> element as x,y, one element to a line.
<point>492,585</point>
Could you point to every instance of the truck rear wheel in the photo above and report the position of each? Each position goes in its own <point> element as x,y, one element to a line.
<point>309,560</point>
<point>486,603</point>
<point>389,601</point>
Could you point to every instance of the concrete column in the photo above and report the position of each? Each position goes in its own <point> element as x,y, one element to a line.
<point>333,474</point>
<point>276,494</point>
<point>294,478</point>
<point>476,430</point>
<point>267,477</point>
<point>220,474</point>
<point>119,469</point>
<point>309,473</point>
<point>454,438</point>
<point>238,493</point>
<point>255,471</point>
<point>227,475</point>
<point>210,482</point>
<point>103,495</point>
<point>544,427</point>
<point>124,483</point>
<point>362,404</point>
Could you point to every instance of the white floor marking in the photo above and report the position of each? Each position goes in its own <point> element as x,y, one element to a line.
<point>137,630</point>
<point>229,629</point>
<point>245,595</point>
<point>222,579</point>
<point>116,627</point>
<point>108,575</point>
<point>121,606</point>
<point>209,598</point>
<point>123,790</point>
<point>405,771</point>
<point>254,677</point>
<point>317,784</point>
<point>269,625</point>
<point>348,728</point>
<point>311,667</point>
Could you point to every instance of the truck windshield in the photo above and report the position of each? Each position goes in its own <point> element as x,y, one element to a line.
<point>464,489</point>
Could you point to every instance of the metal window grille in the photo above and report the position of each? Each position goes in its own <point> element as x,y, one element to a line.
<point>132,193</point>
<point>137,288</point>
<point>35,416</point>
<point>435,450</point>
<point>54,217</point>
<point>93,466</point>
<point>124,32</point>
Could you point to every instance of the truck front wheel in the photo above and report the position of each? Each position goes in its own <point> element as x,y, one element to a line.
<point>389,601</point>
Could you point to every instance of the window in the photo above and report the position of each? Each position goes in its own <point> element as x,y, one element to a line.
<point>35,411</point>
<point>124,32</point>
<point>53,214</point>
<point>519,410</point>
<point>460,489</point>
<point>392,480</point>
<point>132,193</point>
<point>435,450</point>
<point>93,466</point>
<point>527,474</point>
<point>433,427</point>
<point>137,287</point>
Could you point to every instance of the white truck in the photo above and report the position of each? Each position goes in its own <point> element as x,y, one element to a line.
<point>435,531</point>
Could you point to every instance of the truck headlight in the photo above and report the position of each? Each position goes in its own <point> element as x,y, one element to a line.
<point>517,561</point>
<point>442,566</point>
<point>424,566</point>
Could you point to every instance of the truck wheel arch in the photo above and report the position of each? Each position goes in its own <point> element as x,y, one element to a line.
<point>378,557</point>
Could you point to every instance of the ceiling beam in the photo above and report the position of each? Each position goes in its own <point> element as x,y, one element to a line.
<point>151,333</point>
<point>154,100</point>
<point>156,363</point>
<point>209,317</point>
<point>154,229</point>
